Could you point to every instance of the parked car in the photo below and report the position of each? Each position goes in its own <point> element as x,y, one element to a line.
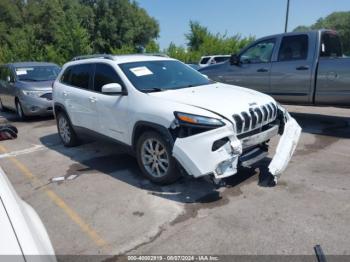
<point>194,66</point>
<point>212,60</point>
<point>26,88</point>
<point>23,236</point>
<point>169,114</point>
<point>302,68</point>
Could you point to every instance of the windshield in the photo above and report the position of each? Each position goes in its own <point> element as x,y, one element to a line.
<point>37,73</point>
<point>152,76</point>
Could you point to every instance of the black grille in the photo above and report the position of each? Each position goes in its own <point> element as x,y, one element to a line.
<point>255,118</point>
<point>246,118</point>
<point>48,96</point>
<point>265,113</point>
<point>239,123</point>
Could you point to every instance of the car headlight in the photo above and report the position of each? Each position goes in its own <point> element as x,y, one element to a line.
<point>33,93</point>
<point>191,119</point>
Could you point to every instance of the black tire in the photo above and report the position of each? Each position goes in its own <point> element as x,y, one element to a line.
<point>172,172</point>
<point>19,111</point>
<point>2,108</point>
<point>65,130</point>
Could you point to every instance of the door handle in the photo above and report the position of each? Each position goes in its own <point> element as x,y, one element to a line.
<point>302,68</point>
<point>262,70</point>
<point>65,93</point>
<point>92,99</point>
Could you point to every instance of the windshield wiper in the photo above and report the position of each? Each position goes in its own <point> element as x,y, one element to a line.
<point>29,79</point>
<point>154,89</point>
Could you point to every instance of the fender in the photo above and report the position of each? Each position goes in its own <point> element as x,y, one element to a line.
<point>60,107</point>
<point>142,126</point>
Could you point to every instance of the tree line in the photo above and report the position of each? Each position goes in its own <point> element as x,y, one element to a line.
<point>57,30</point>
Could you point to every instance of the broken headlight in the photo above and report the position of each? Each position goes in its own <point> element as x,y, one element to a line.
<point>204,121</point>
<point>186,125</point>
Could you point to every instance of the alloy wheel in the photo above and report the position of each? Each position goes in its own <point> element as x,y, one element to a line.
<point>154,157</point>
<point>64,129</point>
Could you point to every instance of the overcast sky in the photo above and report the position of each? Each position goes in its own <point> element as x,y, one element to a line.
<point>247,17</point>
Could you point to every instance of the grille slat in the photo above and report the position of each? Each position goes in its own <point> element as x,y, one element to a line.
<point>239,123</point>
<point>246,121</point>
<point>266,113</point>
<point>255,118</point>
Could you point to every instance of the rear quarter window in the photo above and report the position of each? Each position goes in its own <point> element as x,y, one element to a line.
<point>204,60</point>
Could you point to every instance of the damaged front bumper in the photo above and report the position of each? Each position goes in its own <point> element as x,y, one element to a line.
<point>199,156</point>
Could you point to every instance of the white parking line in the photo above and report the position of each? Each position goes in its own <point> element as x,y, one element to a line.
<point>32,149</point>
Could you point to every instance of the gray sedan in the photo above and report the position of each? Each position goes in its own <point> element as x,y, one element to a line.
<point>26,88</point>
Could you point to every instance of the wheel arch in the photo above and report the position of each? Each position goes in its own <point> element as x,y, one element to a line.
<point>144,126</point>
<point>59,108</point>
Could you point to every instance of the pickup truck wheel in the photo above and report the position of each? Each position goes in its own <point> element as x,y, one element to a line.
<point>66,131</point>
<point>155,159</point>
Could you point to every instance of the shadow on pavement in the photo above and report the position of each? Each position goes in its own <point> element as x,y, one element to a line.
<point>334,126</point>
<point>113,160</point>
<point>11,117</point>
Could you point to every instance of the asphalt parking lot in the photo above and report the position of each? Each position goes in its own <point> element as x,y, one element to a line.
<point>109,208</point>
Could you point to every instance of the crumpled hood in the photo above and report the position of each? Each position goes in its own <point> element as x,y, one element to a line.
<point>219,98</point>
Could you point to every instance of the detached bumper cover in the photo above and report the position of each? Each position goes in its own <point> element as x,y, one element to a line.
<point>285,148</point>
<point>195,153</point>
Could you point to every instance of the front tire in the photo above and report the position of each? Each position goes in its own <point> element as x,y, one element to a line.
<point>155,159</point>
<point>2,108</point>
<point>66,131</point>
<point>19,110</point>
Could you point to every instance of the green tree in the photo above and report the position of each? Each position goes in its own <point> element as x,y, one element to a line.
<point>57,30</point>
<point>119,22</point>
<point>200,42</point>
<point>339,21</point>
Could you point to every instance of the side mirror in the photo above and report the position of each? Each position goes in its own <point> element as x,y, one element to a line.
<point>113,88</point>
<point>234,60</point>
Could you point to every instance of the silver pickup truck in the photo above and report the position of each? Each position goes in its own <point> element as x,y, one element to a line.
<point>301,68</point>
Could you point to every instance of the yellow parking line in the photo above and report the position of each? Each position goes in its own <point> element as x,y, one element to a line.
<point>84,226</point>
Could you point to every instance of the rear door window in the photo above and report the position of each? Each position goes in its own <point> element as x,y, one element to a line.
<point>105,74</point>
<point>78,76</point>
<point>221,59</point>
<point>293,48</point>
<point>331,45</point>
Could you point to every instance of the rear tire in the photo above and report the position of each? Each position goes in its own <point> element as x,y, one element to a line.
<point>154,156</point>
<point>66,131</point>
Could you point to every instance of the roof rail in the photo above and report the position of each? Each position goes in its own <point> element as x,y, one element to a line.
<point>105,56</point>
<point>156,54</point>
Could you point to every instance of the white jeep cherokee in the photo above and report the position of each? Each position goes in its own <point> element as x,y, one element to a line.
<point>171,115</point>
